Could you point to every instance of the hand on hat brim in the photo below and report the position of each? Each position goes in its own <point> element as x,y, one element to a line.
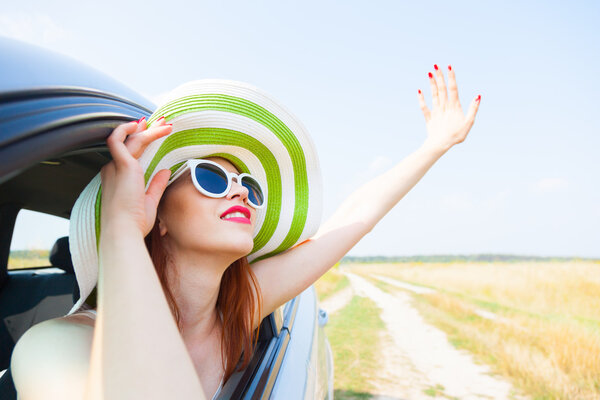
<point>123,195</point>
<point>128,141</point>
<point>137,142</point>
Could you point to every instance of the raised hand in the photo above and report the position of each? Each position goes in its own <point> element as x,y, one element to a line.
<point>446,123</point>
<point>123,197</point>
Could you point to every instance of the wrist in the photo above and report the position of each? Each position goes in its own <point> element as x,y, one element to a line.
<point>120,228</point>
<point>435,148</point>
<point>119,244</point>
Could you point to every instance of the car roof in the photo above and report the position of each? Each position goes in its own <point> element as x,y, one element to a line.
<point>55,115</point>
<point>26,67</point>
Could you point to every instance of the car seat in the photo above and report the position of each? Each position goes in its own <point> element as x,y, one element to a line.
<point>30,296</point>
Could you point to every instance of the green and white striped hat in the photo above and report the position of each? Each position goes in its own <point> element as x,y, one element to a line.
<point>238,122</point>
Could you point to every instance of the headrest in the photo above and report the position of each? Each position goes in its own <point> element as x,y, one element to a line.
<point>60,256</point>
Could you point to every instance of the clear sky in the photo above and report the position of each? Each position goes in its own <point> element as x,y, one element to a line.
<point>526,179</point>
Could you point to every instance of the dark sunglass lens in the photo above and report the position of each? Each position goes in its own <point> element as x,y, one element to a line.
<point>255,195</point>
<point>211,178</point>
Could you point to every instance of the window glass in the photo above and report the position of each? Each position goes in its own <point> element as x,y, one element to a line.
<point>33,237</point>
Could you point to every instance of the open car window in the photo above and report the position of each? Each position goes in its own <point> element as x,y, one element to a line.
<point>33,236</point>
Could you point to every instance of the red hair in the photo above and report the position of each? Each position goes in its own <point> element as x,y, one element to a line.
<point>238,301</point>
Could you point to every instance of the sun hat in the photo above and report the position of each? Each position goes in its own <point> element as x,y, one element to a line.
<point>246,126</point>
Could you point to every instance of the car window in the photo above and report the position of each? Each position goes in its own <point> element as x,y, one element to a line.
<point>33,237</point>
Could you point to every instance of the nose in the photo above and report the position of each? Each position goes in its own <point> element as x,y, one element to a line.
<point>237,190</point>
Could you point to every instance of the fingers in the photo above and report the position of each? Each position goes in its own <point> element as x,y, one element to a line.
<point>470,118</point>
<point>141,125</point>
<point>116,144</point>
<point>441,85</point>
<point>157,187</point>
<point>423,106</point>
<point>453,89</point>
<point>138,144</point>
<point>441,95</point>
<point>434,91</point>
<point>128,141</point>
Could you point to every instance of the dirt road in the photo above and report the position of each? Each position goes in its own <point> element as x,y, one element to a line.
<point>418,362</point>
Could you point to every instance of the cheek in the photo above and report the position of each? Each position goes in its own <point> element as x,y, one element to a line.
<point>189,215</point>
<point>195,214</point>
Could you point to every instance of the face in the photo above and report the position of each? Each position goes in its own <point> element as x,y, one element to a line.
<point>191,222</point>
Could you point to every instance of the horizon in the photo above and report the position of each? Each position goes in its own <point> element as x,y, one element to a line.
<point>377,256</point>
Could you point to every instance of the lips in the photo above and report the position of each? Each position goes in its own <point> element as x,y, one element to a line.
<point>237,218</point>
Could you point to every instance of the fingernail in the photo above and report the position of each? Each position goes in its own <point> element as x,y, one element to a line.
<point>449,68</point>
<point>141,119</point>
<point>163,117</point>
<point>435,66</point>
<point>430,74</point>
<point>478,98</point>
<point>419,91</point>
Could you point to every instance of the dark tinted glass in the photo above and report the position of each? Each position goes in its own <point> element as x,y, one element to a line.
<point>255,195</point>
<point>211,178</point>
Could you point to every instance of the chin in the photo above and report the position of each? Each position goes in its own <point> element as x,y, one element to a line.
<point>248,248</point>
<point>240,248</point>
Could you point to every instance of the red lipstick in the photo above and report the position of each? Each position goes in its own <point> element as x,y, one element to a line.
<point>239,219</point>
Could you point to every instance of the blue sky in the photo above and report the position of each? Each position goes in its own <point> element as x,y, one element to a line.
<point>525,181</point>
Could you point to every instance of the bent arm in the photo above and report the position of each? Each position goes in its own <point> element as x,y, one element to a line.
<point>285,275</point>
<point>137,350</point>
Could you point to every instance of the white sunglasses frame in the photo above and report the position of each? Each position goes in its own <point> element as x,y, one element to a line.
<point>191,164</point>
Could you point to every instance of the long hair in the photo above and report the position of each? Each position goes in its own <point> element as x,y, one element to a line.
<point>239,301</point>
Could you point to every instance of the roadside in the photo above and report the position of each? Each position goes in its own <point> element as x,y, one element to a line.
<point>422,363</point>
<point>535,324</point>
<point>356,359</point>
<point>338,300</point>
<point>412,360</point>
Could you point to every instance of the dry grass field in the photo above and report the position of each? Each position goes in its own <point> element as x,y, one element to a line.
<point>28,259</point>
<point>536,323</point>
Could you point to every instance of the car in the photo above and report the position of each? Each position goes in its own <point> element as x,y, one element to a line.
<point>55,116</point>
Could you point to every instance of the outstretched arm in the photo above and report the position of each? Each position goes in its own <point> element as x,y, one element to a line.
<point>285,275</point>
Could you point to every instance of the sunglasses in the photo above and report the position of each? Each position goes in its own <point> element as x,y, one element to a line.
<point>212,180</point>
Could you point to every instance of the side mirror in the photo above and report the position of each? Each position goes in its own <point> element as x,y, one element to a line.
<point>323,317</point>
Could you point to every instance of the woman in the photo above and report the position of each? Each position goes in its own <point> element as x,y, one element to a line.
<point>198,233</point>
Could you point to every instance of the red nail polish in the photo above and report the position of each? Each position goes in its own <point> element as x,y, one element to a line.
<point>435,66</point>
<point>141,119</point>
<point>478,98</point>
<point>449,68</point>
<point>419,91</point>
<point>430,74</point>
<point>163,117</point>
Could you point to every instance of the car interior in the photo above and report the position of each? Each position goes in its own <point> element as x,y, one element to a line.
<point>32,295</point>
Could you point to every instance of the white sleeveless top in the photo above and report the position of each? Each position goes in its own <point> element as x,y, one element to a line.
<point>92,315</point>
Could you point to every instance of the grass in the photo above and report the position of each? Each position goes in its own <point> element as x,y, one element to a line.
<point>28,258</point>
<point>546,335</point>
<point>438,391</point>
<point>350,332</point>
<point>331,282</point>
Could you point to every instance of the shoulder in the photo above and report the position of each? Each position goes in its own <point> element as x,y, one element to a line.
<point>51,359</point>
